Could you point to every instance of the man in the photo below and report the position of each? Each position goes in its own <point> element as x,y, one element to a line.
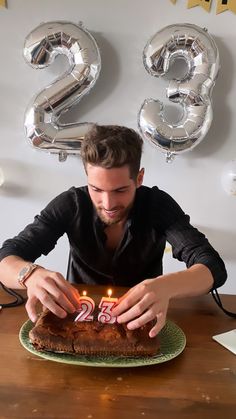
<point>117,230</point>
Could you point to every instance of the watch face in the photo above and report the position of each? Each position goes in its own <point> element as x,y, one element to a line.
<point>24,270</point>
<point>25,273</point>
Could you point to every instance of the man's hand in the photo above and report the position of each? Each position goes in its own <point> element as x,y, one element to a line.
<point>144,302</point>
<point>52,291</point>
<point>150,298</point>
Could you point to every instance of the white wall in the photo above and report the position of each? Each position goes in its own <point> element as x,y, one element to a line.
<point>121,29</point>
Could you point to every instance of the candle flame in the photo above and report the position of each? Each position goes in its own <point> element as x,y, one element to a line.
<point>109,293</point>
<point>84,293</point>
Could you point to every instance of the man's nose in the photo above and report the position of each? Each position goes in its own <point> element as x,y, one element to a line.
<point>108,201</point>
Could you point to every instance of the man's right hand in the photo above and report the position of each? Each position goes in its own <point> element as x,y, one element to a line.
<point>52,291</point>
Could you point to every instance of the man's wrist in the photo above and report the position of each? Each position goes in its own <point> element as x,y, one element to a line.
<point>26,272</point>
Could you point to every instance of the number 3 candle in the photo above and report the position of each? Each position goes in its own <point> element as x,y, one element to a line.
<point>106,305</point>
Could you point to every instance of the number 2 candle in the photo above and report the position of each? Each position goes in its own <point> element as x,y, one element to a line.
<point>87,307</point>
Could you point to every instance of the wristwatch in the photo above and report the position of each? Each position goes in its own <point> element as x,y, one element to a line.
<point>25,273</point>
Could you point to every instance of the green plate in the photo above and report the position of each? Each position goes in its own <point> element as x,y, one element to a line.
<point>172,343</point>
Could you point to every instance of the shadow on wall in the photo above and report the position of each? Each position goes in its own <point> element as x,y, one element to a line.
<point>222,241</point>
<point>40,183</point>
<point>16,178</point>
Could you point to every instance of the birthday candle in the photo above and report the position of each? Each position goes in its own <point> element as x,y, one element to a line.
<point>87,305</point>
<point>106,305</point>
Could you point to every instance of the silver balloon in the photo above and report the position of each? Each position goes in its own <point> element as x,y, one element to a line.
<point>193,91</point>
<point>42,125</point>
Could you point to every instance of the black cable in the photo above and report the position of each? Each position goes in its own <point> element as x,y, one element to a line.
<point>218,301</point>
<point>18,298</point>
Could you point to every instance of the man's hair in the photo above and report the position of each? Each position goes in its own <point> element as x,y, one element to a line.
<point>110,146</point>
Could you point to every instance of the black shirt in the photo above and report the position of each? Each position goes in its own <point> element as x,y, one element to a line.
<point>154,219</point>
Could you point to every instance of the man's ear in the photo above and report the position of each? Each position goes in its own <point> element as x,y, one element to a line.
<point>140,177</point>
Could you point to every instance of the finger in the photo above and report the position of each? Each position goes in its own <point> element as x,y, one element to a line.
<point>54,293</point>
<point>46,299</point>
<point>138,309</point>
<point>127,293</point>
<point>116,309</point>
<point>128,300</point>
<point>71,292</point>
<point>55,285</point>
<point>142,320</point>
<point>158,326</point>
<point>31,308</point>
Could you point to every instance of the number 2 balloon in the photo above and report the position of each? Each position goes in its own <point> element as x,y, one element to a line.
<point>42,118</point>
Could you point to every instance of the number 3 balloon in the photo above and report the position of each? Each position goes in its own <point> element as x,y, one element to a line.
<point>42,45</point>
<point>193,91</point>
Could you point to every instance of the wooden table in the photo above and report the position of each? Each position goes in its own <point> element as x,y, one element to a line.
<point>199,383</point>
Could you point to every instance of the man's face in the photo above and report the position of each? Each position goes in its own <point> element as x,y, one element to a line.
<point>112,191</point>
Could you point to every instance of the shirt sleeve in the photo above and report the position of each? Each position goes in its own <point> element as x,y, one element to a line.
<point>40,237</point>
<point>189,245</point>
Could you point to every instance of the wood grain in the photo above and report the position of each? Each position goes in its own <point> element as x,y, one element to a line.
<point>200,383</point>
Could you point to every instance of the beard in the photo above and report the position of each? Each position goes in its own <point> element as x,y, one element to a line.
<point>121,215</point>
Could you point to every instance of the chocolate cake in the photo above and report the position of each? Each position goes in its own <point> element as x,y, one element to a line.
<point>51,333</point>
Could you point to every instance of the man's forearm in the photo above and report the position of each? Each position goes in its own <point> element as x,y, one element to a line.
<point>10,267</point>
<point>196,280</point>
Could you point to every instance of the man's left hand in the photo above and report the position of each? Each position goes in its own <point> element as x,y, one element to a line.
<point>146,301</point>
